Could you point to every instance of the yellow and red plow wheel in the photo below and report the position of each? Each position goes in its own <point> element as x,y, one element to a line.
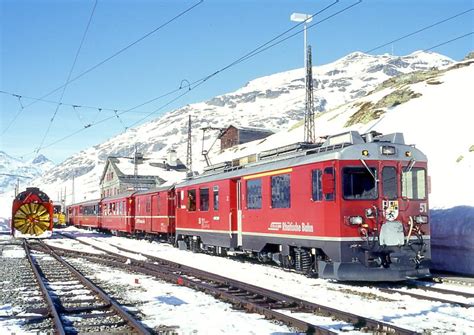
<point>32,219</point>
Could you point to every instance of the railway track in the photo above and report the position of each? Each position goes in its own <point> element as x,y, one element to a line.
<point>405,290</point>
<point>271,304</point>
<point>75,304</point>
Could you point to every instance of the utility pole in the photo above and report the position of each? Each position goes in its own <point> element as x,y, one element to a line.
<point>73,175</point>
<point>189,154</point>
<point>135,169</point>
<point>17,186</point>
<point>309,135</point>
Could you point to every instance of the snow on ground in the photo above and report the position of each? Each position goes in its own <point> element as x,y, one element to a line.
<point>420,315</point>
<point>191,311</point>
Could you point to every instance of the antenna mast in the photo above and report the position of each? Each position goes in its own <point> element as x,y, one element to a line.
<point>309,135</point>
<point>189,155</point>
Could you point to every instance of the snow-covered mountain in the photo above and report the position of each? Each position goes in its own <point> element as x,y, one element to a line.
<point>12,168</point>
<point>275,102</point>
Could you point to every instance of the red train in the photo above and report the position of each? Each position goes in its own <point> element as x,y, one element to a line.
<point>353,208</point>
<point>32,214</point>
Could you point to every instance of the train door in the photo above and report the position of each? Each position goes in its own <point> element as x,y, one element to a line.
<point>155,213</point>
<point>239,213</point>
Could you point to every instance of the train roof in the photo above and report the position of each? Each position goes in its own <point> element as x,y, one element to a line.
<point>345,146</point>
<point>154,190</point>
<point>86,202</point>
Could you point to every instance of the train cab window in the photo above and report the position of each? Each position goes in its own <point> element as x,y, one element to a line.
<point>389,182</point>
<point>281,191</point>
<point>358,183</point>
<point>317,190</point>
<point>254,194</point>
<point>215,197</point>
<point>191,200</point>
<point>330,196</point>
<point>414,183</point>
<point>204,199</point>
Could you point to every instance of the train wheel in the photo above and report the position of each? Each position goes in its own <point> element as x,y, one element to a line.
<point>32,219</point>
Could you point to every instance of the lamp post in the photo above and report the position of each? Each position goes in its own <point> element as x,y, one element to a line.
<point>306,18</point>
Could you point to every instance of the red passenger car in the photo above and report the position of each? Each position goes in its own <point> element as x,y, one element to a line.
<point>155,212</point>
<point>353,208</point>
<point>118,214</point>
<point>85,214</point>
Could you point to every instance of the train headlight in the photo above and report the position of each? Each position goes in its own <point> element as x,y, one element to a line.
<point>356,220</point>
<point>421,219</point>
<point>388,150</point>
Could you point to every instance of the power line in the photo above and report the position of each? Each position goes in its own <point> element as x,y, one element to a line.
<point>16,95</point>
<point>68,77</point>
<point>420,30</point>
<point>449,41</point>
<point>267,45</point>
<point>195,84</point>
<point>118,52</point>
<point>203,79</point>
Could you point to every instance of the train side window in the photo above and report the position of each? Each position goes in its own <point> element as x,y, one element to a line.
<point>317,189</point>
<point>281,191</point>
<point>389,182</point>
<point>330,196</point>
<point>215,197</point>
<point>414,183</point>
<point>358,183</point>
<point>204,199</point>
<point>254,194</point>
<point>148,205</point>
<point>191,200</point>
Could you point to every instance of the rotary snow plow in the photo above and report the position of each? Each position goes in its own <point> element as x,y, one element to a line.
<point>32,214</point>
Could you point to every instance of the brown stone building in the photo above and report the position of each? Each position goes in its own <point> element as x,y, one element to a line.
<point>235,135</point>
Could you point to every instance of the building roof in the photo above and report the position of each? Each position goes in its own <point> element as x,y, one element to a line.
<point>249,129</point>
<point>146,170</point>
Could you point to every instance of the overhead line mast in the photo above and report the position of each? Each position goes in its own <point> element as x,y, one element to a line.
<point>309,135</point>
<point>189,155</point>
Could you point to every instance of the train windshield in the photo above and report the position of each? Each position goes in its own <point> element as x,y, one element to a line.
<point>358,183</point>
<point>414,183</point>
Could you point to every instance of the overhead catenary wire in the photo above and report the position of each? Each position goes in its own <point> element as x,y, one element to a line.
<point>420,30</point>
<point>25,97</point>
<point>193,85</point>
<point>196,83</point>
<point>114,55</point>
<point>267,45</point>
<point>68,77</point>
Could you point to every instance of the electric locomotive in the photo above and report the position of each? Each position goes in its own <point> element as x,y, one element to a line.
<point>32,214</point>
<point>353,208</point>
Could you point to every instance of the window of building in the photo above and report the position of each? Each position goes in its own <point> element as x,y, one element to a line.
<point>330,196</point>
<point>414,183</point>
<point>254,194</point>
<point>204,199</point>
<point>215,197</point>
<point>317,189</point>
<point>358,183</point>
<point>281,191</point>
<point>389,182</point>
<point>191,200</point>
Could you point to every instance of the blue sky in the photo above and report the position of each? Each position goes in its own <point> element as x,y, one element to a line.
<point>39,40</point>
